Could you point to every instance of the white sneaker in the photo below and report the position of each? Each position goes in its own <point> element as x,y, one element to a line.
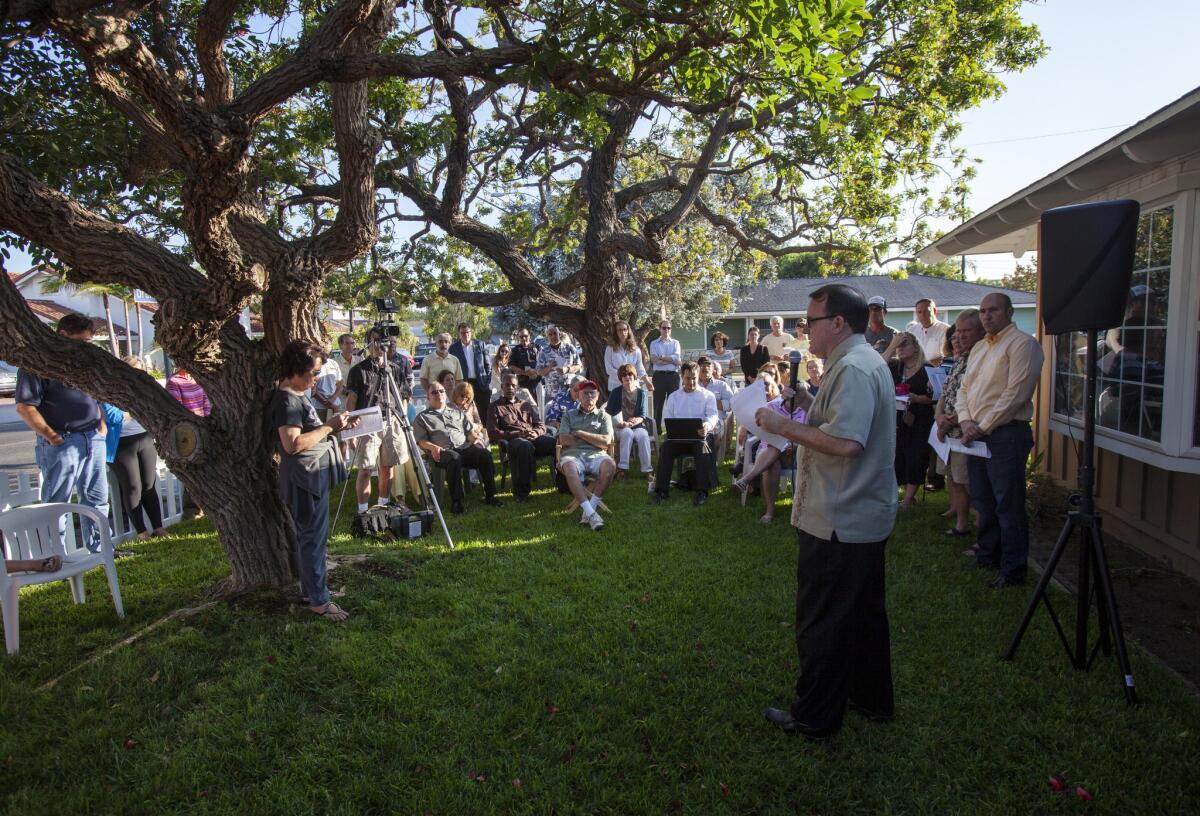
<point>584,518</point>
<point>596,522</point>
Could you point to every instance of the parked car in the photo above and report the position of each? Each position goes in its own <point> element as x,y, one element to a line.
<point>8,380</point>
<point>423,349</point>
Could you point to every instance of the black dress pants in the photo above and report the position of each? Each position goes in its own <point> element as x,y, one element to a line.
<point>455,460</point>
<point>842,634</point>
<point>522,458</point>
<point>706,466</point>
<point>665,383</point>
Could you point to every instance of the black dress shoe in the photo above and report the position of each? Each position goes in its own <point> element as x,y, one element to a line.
<point>699,499</point>
<point>493,501</point>
<point>457,507</point>
<point>1006,581</point>
<point>973,564</point>
<point>657,498</point>
<point>790,725</point>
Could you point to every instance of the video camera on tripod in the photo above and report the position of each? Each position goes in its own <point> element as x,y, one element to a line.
<point>385,318</point>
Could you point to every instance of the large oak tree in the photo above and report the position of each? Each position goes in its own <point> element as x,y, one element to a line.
<point>224,153</point>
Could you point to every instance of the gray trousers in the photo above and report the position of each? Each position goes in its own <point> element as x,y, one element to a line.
<point>311,516</point>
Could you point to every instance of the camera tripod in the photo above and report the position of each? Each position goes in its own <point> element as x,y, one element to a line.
<point>427,495</point>
<point>1094,578</point>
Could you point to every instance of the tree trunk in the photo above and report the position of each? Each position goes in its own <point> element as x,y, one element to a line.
<point>350,313</point>
<point>112,334</point>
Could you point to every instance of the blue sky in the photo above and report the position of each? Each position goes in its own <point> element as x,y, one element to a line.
<point>1111,63</point>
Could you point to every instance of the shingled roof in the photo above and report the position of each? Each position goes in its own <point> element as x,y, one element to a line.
<point>791,294</point>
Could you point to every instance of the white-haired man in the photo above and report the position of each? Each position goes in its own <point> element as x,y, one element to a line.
<point>778,341</point>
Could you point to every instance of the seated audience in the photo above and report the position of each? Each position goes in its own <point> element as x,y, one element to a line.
<point>563,401</point>
<point>753,356</point>
<point>586,433</point>
<point>689,402</point>
<point>907,362</point>
<point>814,367</point>
<point>769,460</point>
<point>514,423</point>
<point>463,396</point>
<point>451,440</point>
<point>51,563</point>
<point>630,410</point>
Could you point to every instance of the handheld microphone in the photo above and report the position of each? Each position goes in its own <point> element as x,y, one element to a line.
<point>795,359</point>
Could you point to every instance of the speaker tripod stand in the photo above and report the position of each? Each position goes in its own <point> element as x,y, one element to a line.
<point>1094,581</point>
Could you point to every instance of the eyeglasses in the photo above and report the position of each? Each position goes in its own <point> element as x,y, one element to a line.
<point>522,336</point>
<point>664,327</point>
<point>812,320</point>
<point>437,390</point>
<point>628,376</point>
<point>316,373</point>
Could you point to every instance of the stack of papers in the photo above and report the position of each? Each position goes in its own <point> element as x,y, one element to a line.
<point>942,449</point>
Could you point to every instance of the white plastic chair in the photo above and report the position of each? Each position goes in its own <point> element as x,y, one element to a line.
<point>32,533</point>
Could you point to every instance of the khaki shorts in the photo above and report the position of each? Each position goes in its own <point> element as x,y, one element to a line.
<point>382,449</point>
<point>586,465</point>
<point>956,469</point>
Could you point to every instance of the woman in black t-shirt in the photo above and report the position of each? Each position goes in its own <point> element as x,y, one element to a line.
<point>753,356</point>
<point>310,465</point>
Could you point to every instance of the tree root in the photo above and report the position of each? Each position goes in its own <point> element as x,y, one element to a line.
<point>138,635</point>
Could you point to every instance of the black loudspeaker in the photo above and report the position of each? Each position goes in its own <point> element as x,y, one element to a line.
<point>1085,261</point>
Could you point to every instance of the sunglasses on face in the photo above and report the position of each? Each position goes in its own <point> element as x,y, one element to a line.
<point>437,390</point>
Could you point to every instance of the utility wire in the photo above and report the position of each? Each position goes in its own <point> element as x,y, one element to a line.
<point>1044,136</point>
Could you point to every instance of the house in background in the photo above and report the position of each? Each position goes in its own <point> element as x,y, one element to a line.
<point>788,298</point>
<point>50,307</point>
<point>1148,416</point>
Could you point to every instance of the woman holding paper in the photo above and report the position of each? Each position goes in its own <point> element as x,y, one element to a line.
<point>770,458</point>
<point>914,422</point>
<point>310,464</point>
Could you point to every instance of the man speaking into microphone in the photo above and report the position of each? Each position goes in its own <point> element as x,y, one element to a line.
<point>844,511</point>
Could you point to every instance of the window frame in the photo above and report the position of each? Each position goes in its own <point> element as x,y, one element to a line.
<point>1177,449</point>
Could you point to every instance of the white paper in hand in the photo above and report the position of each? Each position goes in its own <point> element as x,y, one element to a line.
<point>370,421</point>
<point>942,449</point>
<point>745,403</point>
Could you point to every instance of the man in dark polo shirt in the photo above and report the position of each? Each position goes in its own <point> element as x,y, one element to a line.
<point>70,432</point>
<point>523,360</point>
<point>514,422</point>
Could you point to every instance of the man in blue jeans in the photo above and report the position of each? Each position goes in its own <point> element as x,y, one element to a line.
<point>995,404</point>
<point>70,435</point>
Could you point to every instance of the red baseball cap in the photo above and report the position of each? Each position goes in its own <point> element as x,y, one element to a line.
<point>588,384</point>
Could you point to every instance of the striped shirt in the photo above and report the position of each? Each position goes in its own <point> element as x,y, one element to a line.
<point>188,393</point>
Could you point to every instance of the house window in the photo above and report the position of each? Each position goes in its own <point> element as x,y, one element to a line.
<point>1130,358</point>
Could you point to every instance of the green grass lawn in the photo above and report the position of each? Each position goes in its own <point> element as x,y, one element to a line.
<point>544,668</point>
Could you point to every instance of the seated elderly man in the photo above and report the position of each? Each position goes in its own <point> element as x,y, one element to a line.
<point>585,433</point>
<point>689,402</point>
<point>449,437</point>
<point>516,424</point>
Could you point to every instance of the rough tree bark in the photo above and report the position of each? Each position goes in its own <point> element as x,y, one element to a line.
<point>204,133</point>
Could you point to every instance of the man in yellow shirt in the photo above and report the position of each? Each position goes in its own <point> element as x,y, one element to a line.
<point>995,404</point>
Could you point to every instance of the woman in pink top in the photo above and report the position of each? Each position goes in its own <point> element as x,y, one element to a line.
<point>769,459</point>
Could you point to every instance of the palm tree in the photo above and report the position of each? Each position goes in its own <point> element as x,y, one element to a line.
<point>56,281</point>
